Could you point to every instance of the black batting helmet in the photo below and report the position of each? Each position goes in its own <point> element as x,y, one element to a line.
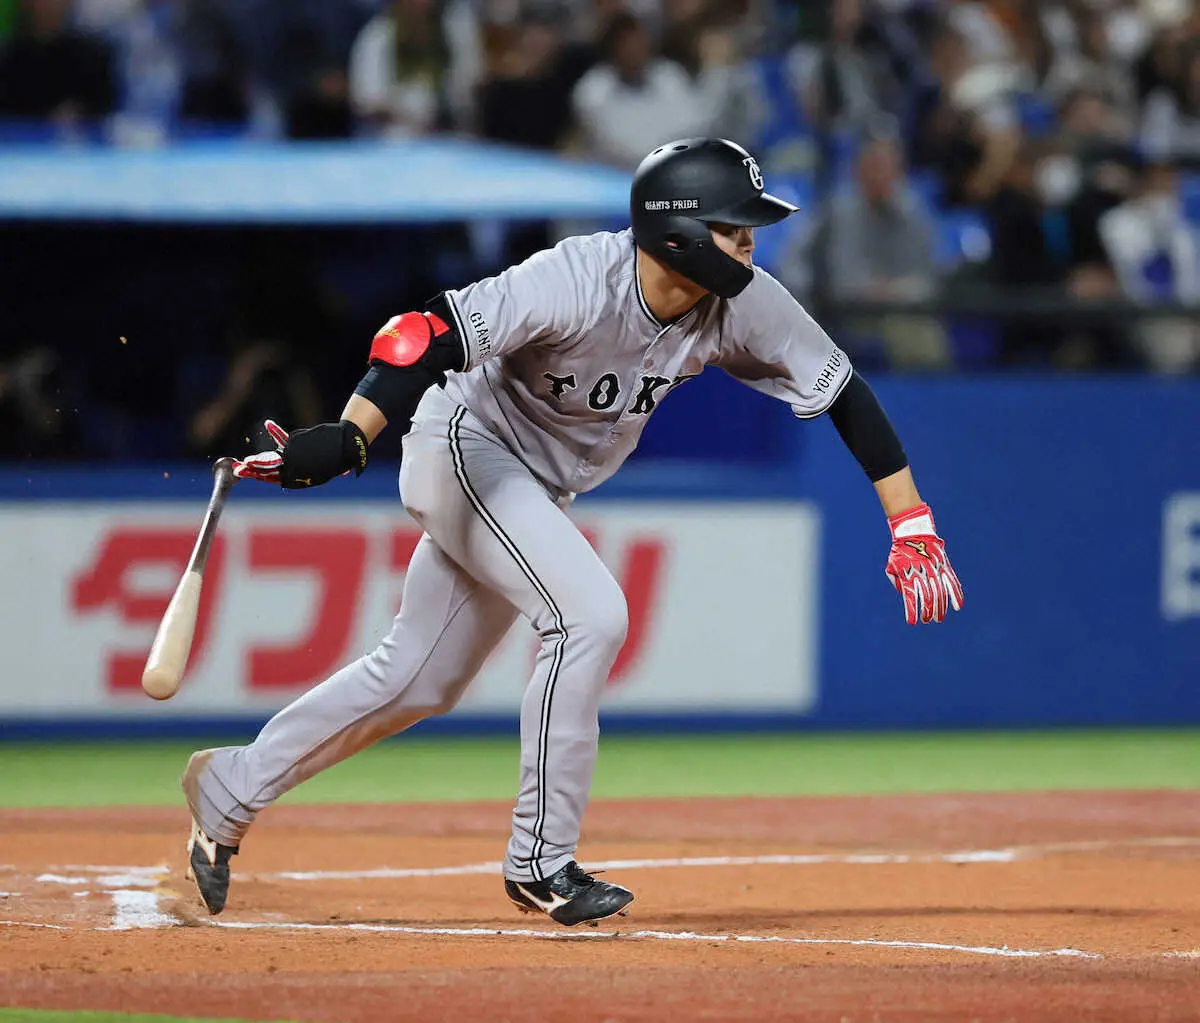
<point>681,188</point>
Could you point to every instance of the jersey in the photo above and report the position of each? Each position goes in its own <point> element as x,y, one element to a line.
<point>564,360</point>
<point>563,363</point>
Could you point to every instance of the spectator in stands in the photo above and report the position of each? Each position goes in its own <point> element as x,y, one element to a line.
<point>1041,252</point>
<point>264,380</point>
<point>874,243</point>
<point>298,52</point>
<point>215,84</point>
<point>319,105</point>
<point>686,26</point>
<point>526,100</point>
<point>1128,31</point>
<point>968,129</point>
<point>987,37</point>
<point>48,70</point>
<point>36,418</point>
<point>842,85</point>
<point>150,68</point>
<point>1029,249</point>
<point>1171,118</point>
<point>1093,170</point>
<point>683,22</point>
<point>413,67</point>
<point>1156,256</point>
<point>633,100</point>
<point>587,20</point>
<point>277,345</point>
<point>176,59</point>
<point>1078,54</point>
<point>1159,66</point>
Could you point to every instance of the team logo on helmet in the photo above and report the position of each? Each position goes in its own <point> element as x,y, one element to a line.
<point>756,178</point>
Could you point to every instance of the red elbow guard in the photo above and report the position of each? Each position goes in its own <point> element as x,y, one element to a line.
<point>404,339</point>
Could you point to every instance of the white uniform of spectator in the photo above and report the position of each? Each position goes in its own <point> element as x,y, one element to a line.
<point>1156,257</point>
<point>1171,120</point>
<point>634,101</point>
<point>622,121</point>
<point>410,103</point>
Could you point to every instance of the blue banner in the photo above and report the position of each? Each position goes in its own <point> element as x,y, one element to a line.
<point>1071,510</point>
<point>1054,498</point>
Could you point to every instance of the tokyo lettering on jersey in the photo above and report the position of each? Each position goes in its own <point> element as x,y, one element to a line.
<point>565,361</point>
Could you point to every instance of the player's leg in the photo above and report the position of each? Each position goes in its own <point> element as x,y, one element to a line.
<point>492,516</point>
<point>447,625</point>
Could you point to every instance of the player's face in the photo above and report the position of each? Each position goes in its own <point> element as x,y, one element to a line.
<point>734,241</point>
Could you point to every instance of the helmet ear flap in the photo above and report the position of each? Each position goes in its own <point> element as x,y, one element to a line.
<point>682,234</point>
<point>686,245</point>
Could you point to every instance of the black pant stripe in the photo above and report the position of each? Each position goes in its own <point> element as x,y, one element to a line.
<point>548,696</point>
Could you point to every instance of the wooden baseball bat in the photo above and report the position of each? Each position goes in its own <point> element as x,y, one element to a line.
<point>173,640</point>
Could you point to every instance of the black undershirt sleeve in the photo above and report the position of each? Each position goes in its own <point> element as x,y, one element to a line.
<point>397,390</point>
<point>866,430</point>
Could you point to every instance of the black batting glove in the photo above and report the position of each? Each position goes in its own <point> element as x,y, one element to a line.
<point>309,457</point>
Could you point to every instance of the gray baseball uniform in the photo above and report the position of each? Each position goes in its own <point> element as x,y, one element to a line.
<point>564,364</point>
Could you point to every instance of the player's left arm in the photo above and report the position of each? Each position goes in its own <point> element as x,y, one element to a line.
<point>917,565</point>
<point>527,303</point>
<point>779,349</point>
<point>409,354</point>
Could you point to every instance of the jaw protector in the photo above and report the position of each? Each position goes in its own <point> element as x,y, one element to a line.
<point>687,247</point>
<point>681,188</point>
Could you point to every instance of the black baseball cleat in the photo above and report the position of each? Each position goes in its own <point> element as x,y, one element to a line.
<point>208,867</point>
<point>570,896</point>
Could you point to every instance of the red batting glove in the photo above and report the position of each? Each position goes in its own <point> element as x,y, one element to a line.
<point>265,465</point>
<point>919,568</point>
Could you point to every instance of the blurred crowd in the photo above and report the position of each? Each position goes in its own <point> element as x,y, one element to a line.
<point>535,72</point>
<point>1045,153</point>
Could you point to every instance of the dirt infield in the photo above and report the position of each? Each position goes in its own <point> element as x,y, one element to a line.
<point>1048,907</point>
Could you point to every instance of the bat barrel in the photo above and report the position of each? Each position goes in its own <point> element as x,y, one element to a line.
<point>173,641</point>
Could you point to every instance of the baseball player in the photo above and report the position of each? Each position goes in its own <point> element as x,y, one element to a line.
<point>518,392</point>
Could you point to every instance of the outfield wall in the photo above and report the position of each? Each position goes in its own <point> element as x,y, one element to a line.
<point>1072,512</point>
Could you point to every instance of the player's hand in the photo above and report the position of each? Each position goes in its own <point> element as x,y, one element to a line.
<point>307,458</point>
<point>920,569</point>
<point>265,465</point>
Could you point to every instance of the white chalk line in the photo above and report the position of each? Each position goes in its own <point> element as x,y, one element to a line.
<point>34,923</point>
<point>491,932</point>
<point>144,876</point>
<point>139,909</point>
<point>143,914</point>
<point>107,876</point>
<point>1009,854</point>
<point>495,867</point>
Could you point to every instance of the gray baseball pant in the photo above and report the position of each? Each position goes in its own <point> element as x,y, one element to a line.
<point>496,543</point>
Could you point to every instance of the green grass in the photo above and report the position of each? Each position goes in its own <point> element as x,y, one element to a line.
<point>79,1016</point>
<point>422,769</point>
